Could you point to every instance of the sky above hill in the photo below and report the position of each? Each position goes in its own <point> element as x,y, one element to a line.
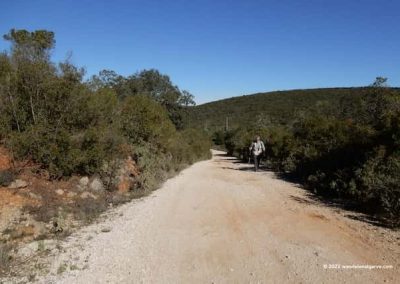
<point>221,48</point>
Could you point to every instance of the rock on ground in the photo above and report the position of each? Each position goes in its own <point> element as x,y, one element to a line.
<point>97,185</point>
<point>18,183</point>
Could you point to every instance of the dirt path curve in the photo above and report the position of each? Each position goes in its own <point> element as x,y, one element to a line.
<point>219,222</point>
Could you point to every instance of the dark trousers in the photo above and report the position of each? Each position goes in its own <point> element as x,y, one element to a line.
<point>257,159</point>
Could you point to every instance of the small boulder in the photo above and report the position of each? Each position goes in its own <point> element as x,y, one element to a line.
<point>18,183</point>
<point>105,230</point>
<point>60,191</point>
<point>84,181</point>
<point>96,185</point>
<point>86,195</point>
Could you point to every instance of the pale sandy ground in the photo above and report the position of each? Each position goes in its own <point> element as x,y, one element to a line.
<point>219,222</point>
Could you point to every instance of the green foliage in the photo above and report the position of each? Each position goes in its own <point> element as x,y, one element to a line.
<point>150,83</point>
<point>280,148</point>
<point>64,153</point>
<point>40,39</point>
<point>218,137</point>
<point>144,120</point>
<point>280,107</point>
<point>48,114</point>
<point>197,143</point>
<point>187,147</point>
<point>236,141</point>
<point>379,179</point>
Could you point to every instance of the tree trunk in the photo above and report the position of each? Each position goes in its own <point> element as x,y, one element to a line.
<point>32,110</point>
<point>13,110</point>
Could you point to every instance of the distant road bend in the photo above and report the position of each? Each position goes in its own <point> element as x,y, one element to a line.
<point>220,222</point>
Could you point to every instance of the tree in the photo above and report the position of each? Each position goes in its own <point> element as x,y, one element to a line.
<point>31,45</point>
<point>106,79</point>
<point>186,99</point>
<point>142,120</point>
<point>31,68</point>
<point>155,85</point>
<point>380,82</point>
<point>8,106</point>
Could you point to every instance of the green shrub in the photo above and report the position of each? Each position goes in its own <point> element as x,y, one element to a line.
<point>380,181</point>
<point>143,120</point>
<point>198,144</point>
<point>64,153</point>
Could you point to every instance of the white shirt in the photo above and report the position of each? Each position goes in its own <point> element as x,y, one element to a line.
<point>257,147</point>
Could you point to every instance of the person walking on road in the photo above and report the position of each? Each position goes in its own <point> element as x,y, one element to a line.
<point>257,148</point>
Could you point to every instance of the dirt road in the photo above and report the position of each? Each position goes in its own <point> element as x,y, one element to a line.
<point>220,222</point>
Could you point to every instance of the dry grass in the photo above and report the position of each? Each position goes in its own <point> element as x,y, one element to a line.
<point>5,257</point>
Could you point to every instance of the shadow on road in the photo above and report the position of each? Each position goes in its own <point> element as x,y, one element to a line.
<point>221,155</point>
<point>249,168</point>
<point>351,208</point>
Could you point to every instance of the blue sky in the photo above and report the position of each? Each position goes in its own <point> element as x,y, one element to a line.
<point>217,49</point>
